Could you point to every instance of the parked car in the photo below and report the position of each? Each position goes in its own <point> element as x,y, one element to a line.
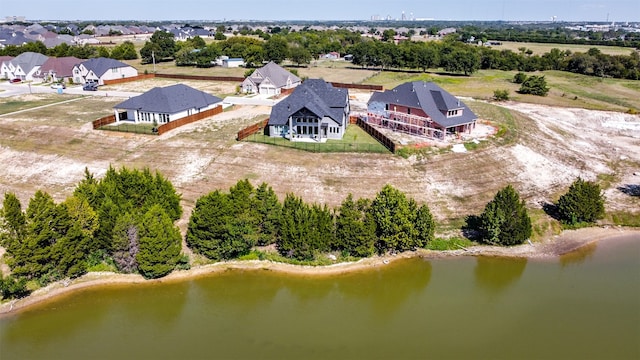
<point>16,80</point>
<point>90,86</point>
<point>58,85</point>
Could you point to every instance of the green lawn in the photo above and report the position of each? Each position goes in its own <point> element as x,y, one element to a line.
<point>354,140</point>
<point>131,128</point>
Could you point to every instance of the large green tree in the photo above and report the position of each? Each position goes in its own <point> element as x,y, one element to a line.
<point>355,228</point>
<point>534,85</point>
<point>394,216</point>
<point>161,47</point>
<point>505,220</point>
<point>276,49</point>
<point>12,223</point>
<point>583,202</point>
<point>160,244</point>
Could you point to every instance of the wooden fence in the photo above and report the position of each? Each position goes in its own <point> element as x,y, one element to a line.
<point>129,79</point>
<point>104,121</point>
<point>201,77</point>
<point>174,76</point>
<point>357,86</point>
<point>189,119</point>
<point>382,139</point>
<point>250,130</point>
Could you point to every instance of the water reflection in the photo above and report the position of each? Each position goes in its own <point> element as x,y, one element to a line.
<point>496,274</point>
<point>578,256</point>
<point>389,287</point>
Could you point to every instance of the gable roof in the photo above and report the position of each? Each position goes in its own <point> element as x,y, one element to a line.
<point>429,97</point>
<point>315,95</point>
<point>170,100</point>
<point>29,60</point>
<point>276,73</point>
<point>101,65</point>
<point>62,66</point>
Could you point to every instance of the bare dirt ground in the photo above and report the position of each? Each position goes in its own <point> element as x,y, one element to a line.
<point>48,149</point>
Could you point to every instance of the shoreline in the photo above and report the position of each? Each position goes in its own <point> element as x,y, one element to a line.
<point>566,242</point>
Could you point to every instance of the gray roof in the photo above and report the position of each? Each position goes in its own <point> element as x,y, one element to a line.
<point>29,60</point>
<point>101,65</point>
<point>170,100</point>
<point>429,97</point>
<point>315,95</point>
<point>276,73</point>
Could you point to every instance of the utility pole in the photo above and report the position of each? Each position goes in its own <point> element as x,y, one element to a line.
<point>153,56</point>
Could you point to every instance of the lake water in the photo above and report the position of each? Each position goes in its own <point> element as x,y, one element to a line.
<point>582,306</point>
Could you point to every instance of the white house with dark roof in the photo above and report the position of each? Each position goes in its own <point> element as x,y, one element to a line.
<point>101,69</point>
<point>163,105</point>
<point>314,111</point>
<point>270,80</point>
<point>420,108</point>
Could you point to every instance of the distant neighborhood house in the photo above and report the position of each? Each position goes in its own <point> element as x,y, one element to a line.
<point>314,111</point>
<point>166,104</point>
<point>270,79</point>
<point>100,69</point>
<point>420,108</point>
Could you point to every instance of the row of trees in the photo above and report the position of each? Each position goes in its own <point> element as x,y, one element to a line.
<point>124,51</point>
<point>228,225</point>
<point>126,219</point>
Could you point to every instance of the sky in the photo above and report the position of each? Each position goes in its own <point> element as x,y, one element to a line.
<point>509,10</point>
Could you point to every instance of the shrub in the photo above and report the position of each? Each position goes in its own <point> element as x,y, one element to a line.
<point>534,85</point>
<point>505,220</point>
<point>583,202</point>
<point>501,95</point>
<point>519,78</point>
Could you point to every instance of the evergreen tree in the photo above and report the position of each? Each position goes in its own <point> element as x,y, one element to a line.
<point>160,244</point>
<point>583,202</point>
<point>10,287</point>
<point>269,212</point>
<point>425,226</point>
<point>12,224</point>
<point>355,229</point>
<point>207,225</point>
<point>505,220</point>
<point>295,229</point>
<point>534,85</point>
<point>46,224</point>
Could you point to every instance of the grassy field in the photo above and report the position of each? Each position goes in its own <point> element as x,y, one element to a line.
<point>539,48</point>
<point>354,140</point>
<point>567,89</point>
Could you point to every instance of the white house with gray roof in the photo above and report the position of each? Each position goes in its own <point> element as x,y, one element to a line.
<point>101,69</point>
<point>270,80</point>
<point>314,111</point>
<point>23,66</point>
<point>163,105</point>
<point>420,108</point>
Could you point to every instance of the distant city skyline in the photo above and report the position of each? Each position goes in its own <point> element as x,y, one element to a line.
<point>488,10</point>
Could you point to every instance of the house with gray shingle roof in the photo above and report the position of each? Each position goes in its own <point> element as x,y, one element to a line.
<point>420,108</point>
<point>314,110</point>
<point>163,105</point>
<point>269,80</point>
<point>24,66</point>
<point>101,69</point>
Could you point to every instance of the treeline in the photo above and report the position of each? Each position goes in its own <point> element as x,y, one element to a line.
<point>124,220</point>
<point>228,225</point>
<point>124,51</point>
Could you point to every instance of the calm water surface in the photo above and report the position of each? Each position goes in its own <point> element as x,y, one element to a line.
<point>582,306</point>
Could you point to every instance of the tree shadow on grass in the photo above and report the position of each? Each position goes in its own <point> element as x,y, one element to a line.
<point>630,189</point>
